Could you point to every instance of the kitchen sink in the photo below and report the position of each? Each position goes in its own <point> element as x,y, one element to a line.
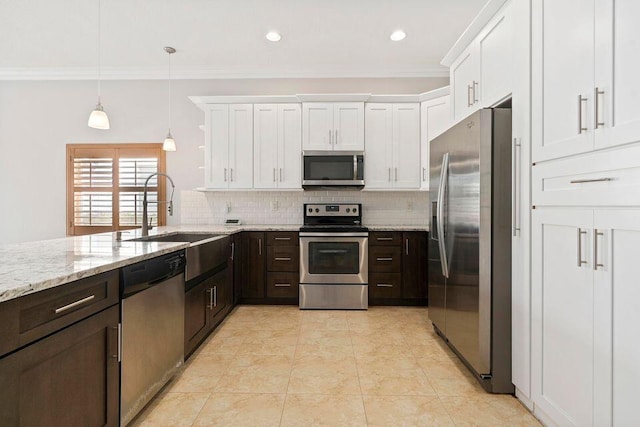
<point>177,237</point>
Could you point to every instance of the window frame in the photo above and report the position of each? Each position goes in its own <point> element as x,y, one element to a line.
<point>115,151</point>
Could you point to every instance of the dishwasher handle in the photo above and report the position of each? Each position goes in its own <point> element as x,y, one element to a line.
<point>145,274</point>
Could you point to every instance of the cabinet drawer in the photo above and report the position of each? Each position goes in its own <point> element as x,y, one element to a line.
<point>602,178</point>
<point>282,238</point>
<point>283,258</point>
<point>385,285</point>
<point>282,285</point>
<point>26,319</point>
<point>385,259</point>
<point>385,238</point>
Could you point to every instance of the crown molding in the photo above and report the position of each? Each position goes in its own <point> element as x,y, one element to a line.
<point>195,73</point>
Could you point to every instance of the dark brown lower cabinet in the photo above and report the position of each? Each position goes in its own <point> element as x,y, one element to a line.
<point>250,273</point>
<point>70,378</point>
<point>398,268</point>
<point>205,305</point>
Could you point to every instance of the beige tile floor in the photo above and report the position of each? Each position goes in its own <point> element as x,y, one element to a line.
<point>280,366</point>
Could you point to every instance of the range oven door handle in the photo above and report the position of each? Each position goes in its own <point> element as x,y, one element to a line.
<point>442,187</point>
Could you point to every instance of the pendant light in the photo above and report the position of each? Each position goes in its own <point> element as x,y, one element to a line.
<point>169,144</point>
<point>98,118</point>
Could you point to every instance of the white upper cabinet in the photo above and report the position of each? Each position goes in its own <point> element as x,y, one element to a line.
<point>393,146</point>
<point>481,75</point>
<point>435,118</point>
<point>229,146</point>
<point>585,66</point>
<point>333,126</point>
<point>276,146</point>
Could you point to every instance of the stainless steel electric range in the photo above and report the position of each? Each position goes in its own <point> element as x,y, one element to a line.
<point>334,257</point>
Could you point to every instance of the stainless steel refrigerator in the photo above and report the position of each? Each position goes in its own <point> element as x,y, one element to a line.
<point>470,244</point>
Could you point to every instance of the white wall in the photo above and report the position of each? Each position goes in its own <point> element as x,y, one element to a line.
<point>38,119</point>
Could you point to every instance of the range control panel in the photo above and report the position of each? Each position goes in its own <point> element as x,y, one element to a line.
<point>327,210</point>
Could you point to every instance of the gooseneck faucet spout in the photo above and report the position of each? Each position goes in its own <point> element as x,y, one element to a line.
<point>145,221</point>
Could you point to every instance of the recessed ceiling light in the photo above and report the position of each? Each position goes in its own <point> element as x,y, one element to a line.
<point>397,35</point>
<point>272,36</point>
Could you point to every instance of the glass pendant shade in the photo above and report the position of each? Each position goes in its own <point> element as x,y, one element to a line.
<point>98,118</point>
<point>169,144</point>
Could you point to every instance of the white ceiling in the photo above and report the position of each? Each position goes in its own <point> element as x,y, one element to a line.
<point>225,38</point>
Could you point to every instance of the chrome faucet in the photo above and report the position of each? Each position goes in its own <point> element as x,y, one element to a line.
<point>145,224</point>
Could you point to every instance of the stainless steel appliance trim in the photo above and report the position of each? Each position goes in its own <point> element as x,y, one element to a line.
<point>331,296</point>
<point>332,234</point>
<point>582,181</point>
<point>332,153</point>
<point>580,260</point>
<point>362,277</point>
<point>322,182</point>
<point>581,99</point>
<point>440,218</point>
<point>74,304</point>
<point>596,233</point>
<point>355,166</point>
<point>596,97</point>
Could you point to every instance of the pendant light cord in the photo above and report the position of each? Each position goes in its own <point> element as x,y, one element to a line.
<point>170,92</point>
<point>99,51</point>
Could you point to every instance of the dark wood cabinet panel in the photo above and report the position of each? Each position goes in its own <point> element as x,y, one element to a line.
<point>282,238</point>
<point>70,378</point>
<point>385,259</point>
<point>385,285</point>
<point>414,265</point>
<point>251,282</point>
<point>196,325</point>
<point>283,285</point>
<point>283,258</point>
<point>28,318</point>
<point>385,238</point>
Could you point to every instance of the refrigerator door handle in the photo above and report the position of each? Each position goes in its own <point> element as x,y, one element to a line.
<point>444,176</point>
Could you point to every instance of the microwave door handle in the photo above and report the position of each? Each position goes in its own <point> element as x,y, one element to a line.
<point>355,166</point>
<point>444,176</point>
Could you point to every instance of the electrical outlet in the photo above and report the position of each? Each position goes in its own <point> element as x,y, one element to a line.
<point>274,205</point>
<point>228,207</point>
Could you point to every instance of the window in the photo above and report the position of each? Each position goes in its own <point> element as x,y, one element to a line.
<point>105,185</point>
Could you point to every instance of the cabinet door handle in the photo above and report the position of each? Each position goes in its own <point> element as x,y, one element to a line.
<point>475,98</point>
<point>215,296</point>
<point>210,292</point>
<point>282,238</point>
<point>581,100</point>
<point>582,181</point>
<point>580,260</point>
<point>283,258</point>
<point>515,220</point>
<point>225,174</point>
<point>384,239</point>
<point>424,174</point>
<point>389,174</point>
<point>118,355</point>
<point>274,174</point>
<point>259,246</point>
<point>330,137</point>
<point>469,103</point>
<point>233,250</point>
<point>596,103</point>
<point>231,174</point>
<point>73,304</point>
<point>280,174</point>
<point>384,285</point>
<point>336,139</point>
<point>406,246</point>
<point>396,172</point>
<point>283,285</point>
<point>596,233</point>
<point>384,259</point>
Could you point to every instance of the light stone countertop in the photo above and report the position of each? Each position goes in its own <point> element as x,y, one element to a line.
<point>35,266</point>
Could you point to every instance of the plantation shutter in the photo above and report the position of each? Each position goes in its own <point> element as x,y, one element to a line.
<point>105,185</point>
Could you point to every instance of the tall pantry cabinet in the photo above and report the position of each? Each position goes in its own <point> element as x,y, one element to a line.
<point>585,230</point>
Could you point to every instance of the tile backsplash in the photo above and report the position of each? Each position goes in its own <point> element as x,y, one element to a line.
<point>285,207</point>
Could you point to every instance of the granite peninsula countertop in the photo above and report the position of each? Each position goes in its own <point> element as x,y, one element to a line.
<point>35,266</point>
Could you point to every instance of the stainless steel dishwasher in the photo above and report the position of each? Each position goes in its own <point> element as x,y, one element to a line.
<point>152,329</point>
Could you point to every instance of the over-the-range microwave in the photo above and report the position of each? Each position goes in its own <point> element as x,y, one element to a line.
<point>332,170</point>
